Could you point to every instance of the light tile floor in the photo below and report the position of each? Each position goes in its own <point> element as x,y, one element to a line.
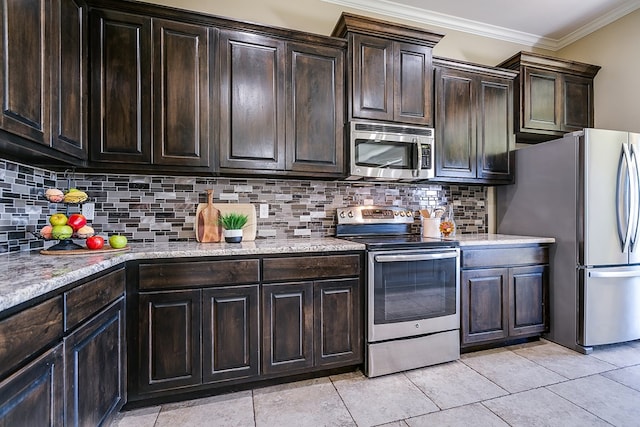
<point>534,384</point>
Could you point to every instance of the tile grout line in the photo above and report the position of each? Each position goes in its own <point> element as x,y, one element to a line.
<point>342,400</point>
<point>576,405</point>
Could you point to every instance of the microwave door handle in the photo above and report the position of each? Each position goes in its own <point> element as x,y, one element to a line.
<point>419,158</point>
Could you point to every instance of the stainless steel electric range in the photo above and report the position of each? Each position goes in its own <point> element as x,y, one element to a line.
<point>412,288</point>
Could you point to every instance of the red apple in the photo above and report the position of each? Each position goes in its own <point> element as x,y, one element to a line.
<point>76,221</point>
<point>95,242</point>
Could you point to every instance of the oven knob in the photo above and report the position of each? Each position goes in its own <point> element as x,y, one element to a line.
<point>409,214</point>
<point>417,325</point>
<point>350,214</point>
<point>342,214</point>
<point>401,213</point>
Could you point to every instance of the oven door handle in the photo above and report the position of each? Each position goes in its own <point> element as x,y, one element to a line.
<point>415,257</point>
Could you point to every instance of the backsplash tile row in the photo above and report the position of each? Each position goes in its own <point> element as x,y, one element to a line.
<point>159,208</point>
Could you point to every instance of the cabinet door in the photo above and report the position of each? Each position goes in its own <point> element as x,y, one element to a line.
<point>528,293</point>
<point>315,102</point>
<point>542,100</point>
<point>577,103</point>
<point>34,396</point>
<point>455,154</point>
<point>169,340</point>
<point>484,303</point>
<point>495,128</point>
<point>181,94</point>
<point>413,84</point>
<point>373,87</point>
<point>69,109</point>
<point>120,87</point>
<point>230,333</point>
<point>252,123</point>
<point>96,368</point>
<point>25,73</point>
<point>337,330</point>
<point>287,327</point>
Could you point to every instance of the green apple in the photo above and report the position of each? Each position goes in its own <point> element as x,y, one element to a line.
<point>58,219</point>
<point>61,232</point>
<point>117,241</point>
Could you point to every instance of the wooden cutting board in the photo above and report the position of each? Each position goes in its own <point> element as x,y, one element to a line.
<point>85,251</point>
<point>206,226</point>
<point>249,230</point>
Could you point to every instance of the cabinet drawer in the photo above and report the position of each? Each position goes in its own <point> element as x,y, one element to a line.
<point>190,274</point>
<point>310,267</point>
<point>85,300</point>
<point>504,257</point>
<point>24,334</point>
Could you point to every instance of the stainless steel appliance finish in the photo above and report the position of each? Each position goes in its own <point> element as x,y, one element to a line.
<point>390,152</point>
<point>584,190</point>
<point>413,290</point>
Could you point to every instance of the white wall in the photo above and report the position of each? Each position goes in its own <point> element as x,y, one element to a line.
<point>319,17</point>
<point>617,86</point>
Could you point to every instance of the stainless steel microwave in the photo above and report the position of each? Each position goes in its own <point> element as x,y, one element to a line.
<point>390,152</point>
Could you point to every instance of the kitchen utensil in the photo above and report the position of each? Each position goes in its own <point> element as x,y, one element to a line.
<point>206,226</point>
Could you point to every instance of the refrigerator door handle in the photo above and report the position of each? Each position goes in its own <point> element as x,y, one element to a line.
<point>613,274</point>
<point>634,187</point>
<point>622,199</point>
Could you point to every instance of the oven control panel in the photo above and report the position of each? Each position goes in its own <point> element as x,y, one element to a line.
<point>375,215</point>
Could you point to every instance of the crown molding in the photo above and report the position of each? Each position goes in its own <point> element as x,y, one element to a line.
<point>602,21</point>
<point>410,13</point>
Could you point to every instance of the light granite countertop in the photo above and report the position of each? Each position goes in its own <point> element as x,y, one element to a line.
<point>28,275</point>
<point>499,239</point>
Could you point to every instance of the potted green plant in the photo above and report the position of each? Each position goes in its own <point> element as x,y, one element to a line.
<point>233,223</point>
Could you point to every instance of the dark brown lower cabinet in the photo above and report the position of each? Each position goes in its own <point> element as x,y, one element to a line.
<point>230,333</point>
<point>213,323</point>
<point>337,330</point>
<point>310,324</point>
<point>96,368</point>
<point>169,340</point>
<point>484,305</point>
<point>287,327</point>
<point>34,395</point>
<point>528,288</point>
<point>500,302</point>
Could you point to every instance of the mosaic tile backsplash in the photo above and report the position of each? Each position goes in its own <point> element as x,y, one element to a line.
<point>149,208</point>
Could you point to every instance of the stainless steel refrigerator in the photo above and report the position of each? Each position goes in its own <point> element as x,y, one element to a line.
<point>584,190</point>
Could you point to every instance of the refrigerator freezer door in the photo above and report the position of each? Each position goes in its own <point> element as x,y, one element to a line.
<point>610,301</point>
<point>603,205</point>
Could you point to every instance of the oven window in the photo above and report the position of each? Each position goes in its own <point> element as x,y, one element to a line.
<point>386,155</point>
<point>414,290</point>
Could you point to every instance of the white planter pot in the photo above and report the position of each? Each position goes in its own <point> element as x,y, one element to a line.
<point>232,236</point>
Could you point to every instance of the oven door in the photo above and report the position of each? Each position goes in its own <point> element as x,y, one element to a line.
<point>412,293</point>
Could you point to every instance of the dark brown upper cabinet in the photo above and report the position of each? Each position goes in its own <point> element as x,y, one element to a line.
<point>281,105</point>
<point>181,108</point>
<point>44,73</point>
<point>390,73</point>
<point>135,122</point>
<point>474,123</point>
<point>315,109</point>
<point>554,96</point>
<point>252,125</point>
<point>121,87</point>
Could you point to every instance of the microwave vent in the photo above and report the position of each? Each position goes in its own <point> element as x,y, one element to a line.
<point>384,128</point>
